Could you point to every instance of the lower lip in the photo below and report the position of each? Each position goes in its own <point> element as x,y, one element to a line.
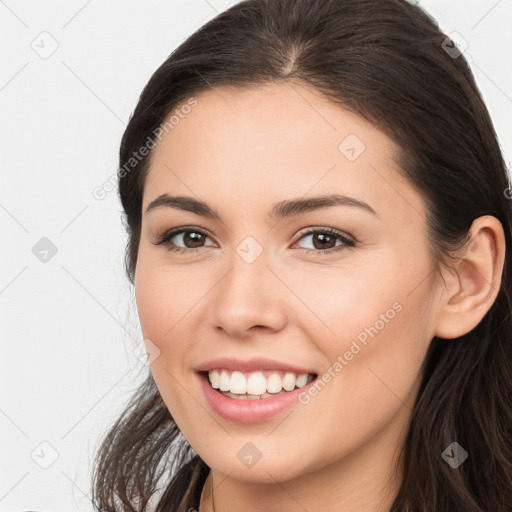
<point>249,411</point>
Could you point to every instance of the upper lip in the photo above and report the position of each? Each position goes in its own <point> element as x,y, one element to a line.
<point>249,365</point>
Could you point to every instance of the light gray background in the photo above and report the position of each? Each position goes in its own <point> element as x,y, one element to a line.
<point>69,324</point>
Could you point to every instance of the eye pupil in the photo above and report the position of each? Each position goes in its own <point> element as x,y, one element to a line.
<point>322,236</point>
<point>194,237</point>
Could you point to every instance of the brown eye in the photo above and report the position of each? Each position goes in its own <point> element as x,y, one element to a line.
<point>326,240</point>
<point>192,239</point>
<point>187,238</point>
<point>323,241</point>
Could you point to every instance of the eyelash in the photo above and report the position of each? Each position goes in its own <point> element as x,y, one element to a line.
<point>165,238</point>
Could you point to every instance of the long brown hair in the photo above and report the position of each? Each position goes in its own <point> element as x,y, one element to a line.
<point>387,61</point>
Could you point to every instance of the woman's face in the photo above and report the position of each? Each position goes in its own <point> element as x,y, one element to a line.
<point>255,285</point>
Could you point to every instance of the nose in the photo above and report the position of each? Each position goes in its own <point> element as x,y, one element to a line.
<point>249,298</point>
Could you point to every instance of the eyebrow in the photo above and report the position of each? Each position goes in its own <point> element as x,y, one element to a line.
<point>280,210</point>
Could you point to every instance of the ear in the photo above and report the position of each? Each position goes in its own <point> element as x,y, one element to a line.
<point>475,280</point>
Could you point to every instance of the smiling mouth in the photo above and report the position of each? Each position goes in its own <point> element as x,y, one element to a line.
<point>256,385</point>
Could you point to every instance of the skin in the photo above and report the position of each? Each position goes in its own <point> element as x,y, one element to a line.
<point>242,151</point>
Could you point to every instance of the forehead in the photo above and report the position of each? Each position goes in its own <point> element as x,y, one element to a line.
<point>275,141</point>
<point>273,119</point>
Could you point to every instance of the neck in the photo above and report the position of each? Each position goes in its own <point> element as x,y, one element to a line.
<point>206,501</point>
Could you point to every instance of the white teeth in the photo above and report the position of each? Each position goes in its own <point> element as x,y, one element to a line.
<point>237,383</point>
<point>256,385</point>
<point>301,380</point>
<point>224,381</point>
<point>289,381</point>
<point>214,379</point>
<point>274,383</point>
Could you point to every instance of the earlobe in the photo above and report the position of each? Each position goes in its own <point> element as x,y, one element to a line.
<point>476,280</point>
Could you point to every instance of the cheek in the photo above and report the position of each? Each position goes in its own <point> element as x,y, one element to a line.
<point>373,326</point>
<point>152,305</point>
<point>378,297</point>
<point>341,301</point>
<point>165,297</point>
<point>160,306</point>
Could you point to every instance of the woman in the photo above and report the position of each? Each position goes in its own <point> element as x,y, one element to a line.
<point>318,213</point>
